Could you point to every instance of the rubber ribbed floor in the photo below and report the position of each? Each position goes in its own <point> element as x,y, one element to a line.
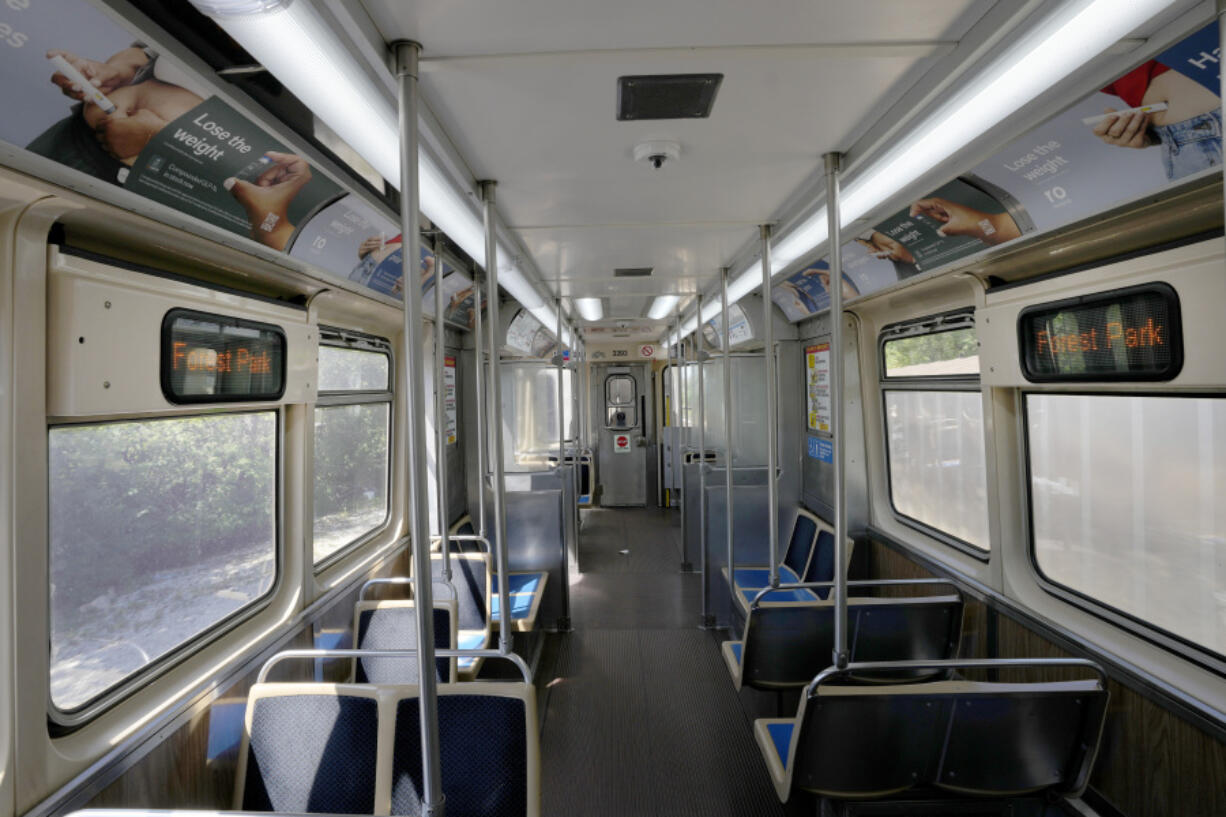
<point>640,716</point>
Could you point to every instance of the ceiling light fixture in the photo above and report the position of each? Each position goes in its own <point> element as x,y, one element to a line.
<point>590,309</point>
<point>1051,51</point>
<point>299,48</point>
<point>662,307</point>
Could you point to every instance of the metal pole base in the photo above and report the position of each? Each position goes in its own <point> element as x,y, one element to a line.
<point>563,625</point>
<point>707,622</point>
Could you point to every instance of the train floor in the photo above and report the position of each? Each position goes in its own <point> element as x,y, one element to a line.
<point>640,717</point>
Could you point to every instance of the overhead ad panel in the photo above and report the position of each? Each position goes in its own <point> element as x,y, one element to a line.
<point>1157,124</point>
<point>93,97</point>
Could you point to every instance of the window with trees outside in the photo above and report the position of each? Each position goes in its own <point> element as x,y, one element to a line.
<point>934,428</point>
<point>352,450</point>
<point>159,531</point>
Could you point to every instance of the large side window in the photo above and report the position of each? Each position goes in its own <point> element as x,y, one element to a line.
<point>352,441</point>
<point>1128,505</point>
<point>159,530</point>
<point>934,427</point>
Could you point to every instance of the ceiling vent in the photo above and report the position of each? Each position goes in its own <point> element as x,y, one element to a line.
<point>666,96</point>
<point>632,272</point>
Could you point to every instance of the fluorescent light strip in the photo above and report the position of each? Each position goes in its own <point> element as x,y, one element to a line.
<point>590,309</point>
<point>1061,44</point>
<point>662,307</point>
<point>297,47</point>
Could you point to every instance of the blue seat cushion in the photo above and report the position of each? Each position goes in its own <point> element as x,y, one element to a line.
<point>736,651</point>
<point>778,595</point>
<point>759,577</point>
<point>518,583</point>
<point>521,605</point>
<point>781,736</point>
<point>395,628</point>
<point>469,641</point>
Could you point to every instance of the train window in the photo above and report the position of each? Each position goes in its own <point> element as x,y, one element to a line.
<point>1128,503</point>
<point>352,450</point>
<point>934,427</point>
<point>159,530</point>
<point>939,354</point>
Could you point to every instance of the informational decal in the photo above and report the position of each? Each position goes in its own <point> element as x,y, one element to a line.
<point>646,350</point>
<point>450,416</point>
<point>621,443</point>
<point>821,449</point>
<point>1157,124</point>
<point>817,386</point>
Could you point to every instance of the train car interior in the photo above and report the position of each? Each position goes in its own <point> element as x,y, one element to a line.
<point>800,408</point>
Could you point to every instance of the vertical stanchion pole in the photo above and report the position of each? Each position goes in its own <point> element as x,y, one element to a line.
<point>707,618</point>
<point>495,417</point>
<point>413,417</point>
<point>564,619</point>
<point>440,405</point>
<point>723,303</point>
<point>833,162</point>
<point>683,442</point>
<point>772,418</point>
<point>479,396</point>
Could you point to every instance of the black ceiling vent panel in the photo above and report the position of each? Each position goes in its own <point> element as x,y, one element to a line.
<point>667,96</point>
<point>632,272</point>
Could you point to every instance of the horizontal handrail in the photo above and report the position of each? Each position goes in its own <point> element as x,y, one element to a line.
<point>463,537</point>
<point>766,591</point>
<point>954,663</point>
<point>285,655</point>
<point>404,580</point>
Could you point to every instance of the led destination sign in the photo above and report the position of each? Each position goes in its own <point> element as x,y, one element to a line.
<point>1125,334</point>
<point>218,359</point>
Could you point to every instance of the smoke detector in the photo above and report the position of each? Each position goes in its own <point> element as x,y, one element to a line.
<point>656,152</point>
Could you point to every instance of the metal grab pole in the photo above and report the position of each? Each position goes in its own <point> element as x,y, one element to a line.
<point>707,618</point>
<point>479,394</point>
<point>772,420</point>
<point>413,417</point>
<point>723,303</point>
<point>833,162</point>
<point>499,488</point>
<point>440,407</point>
<point>564,620</point>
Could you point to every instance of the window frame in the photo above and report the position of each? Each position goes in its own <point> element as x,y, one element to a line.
<point>929,325</point>
<point>65,721</point>
<point>351,339</point>
<point>1198,654</point>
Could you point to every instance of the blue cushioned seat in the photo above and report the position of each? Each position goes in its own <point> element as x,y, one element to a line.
<point>310,753</point>
<point>393,626</point>
<point>486,749</point>
<point>781,737</point>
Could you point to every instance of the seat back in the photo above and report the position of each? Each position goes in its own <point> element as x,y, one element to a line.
<point>392,625</point>
<point>787,644</point>
<point>821,566</point>
<point>987,739</point>
<point>488,746</point>
<point>471,577</point>
<point>309,748</point>
<point>800,546</point>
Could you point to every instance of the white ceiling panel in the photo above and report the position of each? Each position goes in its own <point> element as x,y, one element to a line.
<point>527,93</point>
<point>471,27</point>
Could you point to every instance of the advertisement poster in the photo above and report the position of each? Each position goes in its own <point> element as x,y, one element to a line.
<point>94,98</point>
<point>521,332</point>
<point>808,292</point>
<point>348,237</point>
<point>817,386</point>
<point>739,328</point>
<point>1157,124</point>
<point>451,425</point>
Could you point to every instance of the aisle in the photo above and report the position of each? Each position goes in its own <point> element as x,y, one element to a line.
<point>640,716</point>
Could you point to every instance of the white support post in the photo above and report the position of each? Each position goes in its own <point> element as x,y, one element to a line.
<point>841,652</point>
